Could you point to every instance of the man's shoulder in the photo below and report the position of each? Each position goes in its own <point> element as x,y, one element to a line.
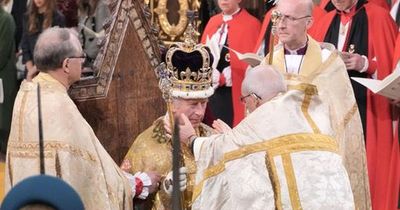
<point>216,19</point>
<point>374,9</point>
<point>248,17</point>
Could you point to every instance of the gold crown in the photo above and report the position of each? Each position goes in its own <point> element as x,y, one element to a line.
<point>188,66</point>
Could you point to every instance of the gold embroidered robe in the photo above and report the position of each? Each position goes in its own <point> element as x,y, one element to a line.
<point>323,67</point>
<point>71,149</point>
<point>151,151</point>
<point>281,156</point>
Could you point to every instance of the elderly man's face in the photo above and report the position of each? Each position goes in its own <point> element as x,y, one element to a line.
<point>342,5</point>
<point>251,101</point>
<point>194,109</point>
<point>294,21</point>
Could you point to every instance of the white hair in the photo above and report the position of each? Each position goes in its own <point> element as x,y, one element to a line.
<point>265,81</point>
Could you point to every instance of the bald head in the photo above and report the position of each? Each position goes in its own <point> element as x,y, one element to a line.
<point>265,81</point>
<point>53,46</point>
<point>302,6</point>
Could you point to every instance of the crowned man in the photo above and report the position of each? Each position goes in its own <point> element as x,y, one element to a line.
<point>304,60</point>
<point>189,74</point>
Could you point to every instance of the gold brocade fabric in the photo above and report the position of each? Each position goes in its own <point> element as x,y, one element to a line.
<point>72,151</point>
<point>151,151</point>
<point>325,69</point>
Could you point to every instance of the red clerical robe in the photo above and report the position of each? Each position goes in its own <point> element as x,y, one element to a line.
<point>380,34</point>
<point>395,154</point>
<point>382,3</point>
<point>396,54</point>
<point>243,30</point>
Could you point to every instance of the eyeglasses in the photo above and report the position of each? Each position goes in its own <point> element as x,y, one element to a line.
<point>282,18</point>
<point>242,98</point>
<point>81,57</point>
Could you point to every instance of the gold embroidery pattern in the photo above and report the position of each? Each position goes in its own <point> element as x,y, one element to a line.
<point>349,115</point>
<point>10,174</point>
<point>21,117</point>
<point>284,150</point>
<point>275,182</point>
<point>304,87</point>
<point>309,91</point>
<point>31,150</point>
<point>304,108</point>
<point>159,134</point>
<point>278,146</point>
<point>291,181</point>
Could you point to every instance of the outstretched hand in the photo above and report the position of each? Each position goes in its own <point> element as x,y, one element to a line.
<point>220,126</point>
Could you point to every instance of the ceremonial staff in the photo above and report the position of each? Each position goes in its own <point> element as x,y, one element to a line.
<point>178,198</point>
<point>41,144</point>
<point>274,19</point>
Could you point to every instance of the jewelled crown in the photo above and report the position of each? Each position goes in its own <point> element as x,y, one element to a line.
<point>189,67</point>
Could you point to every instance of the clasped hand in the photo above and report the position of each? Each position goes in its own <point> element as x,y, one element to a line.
<point>167,184</point>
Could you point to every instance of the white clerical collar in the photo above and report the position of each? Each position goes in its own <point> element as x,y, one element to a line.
<point>229,17</point>
<point>299,51</point>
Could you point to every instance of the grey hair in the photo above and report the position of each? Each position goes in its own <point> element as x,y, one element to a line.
<point>265,81</point>
<point>52,47</point>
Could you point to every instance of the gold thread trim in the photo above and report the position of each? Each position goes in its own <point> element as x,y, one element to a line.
<point>10,174</point>
<point>305,87</point>
<point>291,181</point>
<point>349,115</point>
<point>309,91</point>
<point>271,167</point>
<point>31,150</point>
<point>280,145</point>
<point>21,117</point>
<point>304,108</point>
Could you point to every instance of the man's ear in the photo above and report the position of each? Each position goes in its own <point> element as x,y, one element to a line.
<point>65,65</point>
<point>310,22</point>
